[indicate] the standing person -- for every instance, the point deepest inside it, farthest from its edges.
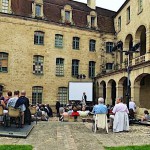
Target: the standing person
(120, 111)
(132, 105)
(57, 107)
(23, 100)
(84, 99)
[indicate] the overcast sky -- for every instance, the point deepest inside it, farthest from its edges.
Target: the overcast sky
(108, 4)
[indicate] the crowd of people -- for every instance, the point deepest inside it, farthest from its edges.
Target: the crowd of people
(119, 115)
(19, 101)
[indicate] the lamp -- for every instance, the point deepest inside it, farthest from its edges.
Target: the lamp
(134, 49)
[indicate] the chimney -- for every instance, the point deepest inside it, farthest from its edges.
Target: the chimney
(91, 4)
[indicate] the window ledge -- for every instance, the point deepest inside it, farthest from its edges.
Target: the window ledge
(39, 44)
(38, 74)
(58, 47)
(3, 71)
(76, 49)
(59, 75)
(92, 51)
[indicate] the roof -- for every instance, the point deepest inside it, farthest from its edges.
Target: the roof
(52, 12)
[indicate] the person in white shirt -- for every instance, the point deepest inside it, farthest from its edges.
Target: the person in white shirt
(132, 105)
(119, 107)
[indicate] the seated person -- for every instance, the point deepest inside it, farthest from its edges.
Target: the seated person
(146, 116)
(100, 108)
(61, 111)
(75, 114)
(84, 112)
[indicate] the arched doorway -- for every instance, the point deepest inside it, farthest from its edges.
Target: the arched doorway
(112, 85)
(141, 37)
(103, 89)
(129, 44)
(142, 92)
(123, 85)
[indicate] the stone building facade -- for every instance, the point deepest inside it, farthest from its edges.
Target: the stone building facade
(132, 26)
(44, 44)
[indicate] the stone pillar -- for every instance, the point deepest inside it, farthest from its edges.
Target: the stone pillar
(108, 95)
(135, 94)
(100, 91)
(119, 91)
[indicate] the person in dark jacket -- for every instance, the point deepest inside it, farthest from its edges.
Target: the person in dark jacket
(24, 100)
(57, 107)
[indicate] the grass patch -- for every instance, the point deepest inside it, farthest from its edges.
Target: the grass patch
(144, 147)
(16, 147)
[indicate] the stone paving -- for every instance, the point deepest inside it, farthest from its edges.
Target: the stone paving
(54, 135)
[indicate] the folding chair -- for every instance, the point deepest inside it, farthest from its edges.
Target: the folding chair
(100, 122)
(1, 112)
(14, 113)
(33, 112)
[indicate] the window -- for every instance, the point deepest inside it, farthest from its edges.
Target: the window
(38, 64)
(3, 62)
(92, 45)
(58, 41)
(76, 43)
(37, 93)
(93, 22)
(5, 6)
(140, 5)
(75, 67)
(109, 46)
(67, 16)
(1, 89)
(59, 66)
(128, 14)
(62, 95)
(119, 23)
(109, 66)
(39, 38)
(38, 10)
(91, 69)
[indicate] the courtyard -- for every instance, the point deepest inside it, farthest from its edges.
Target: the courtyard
(56, 135)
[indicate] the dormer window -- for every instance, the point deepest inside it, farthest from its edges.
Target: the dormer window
(38, 10)
(66, 15)
(92, 20)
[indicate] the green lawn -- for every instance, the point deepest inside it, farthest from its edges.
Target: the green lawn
(16, 147)
(144, 147)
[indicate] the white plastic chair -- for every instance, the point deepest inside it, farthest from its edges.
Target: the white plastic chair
(100, 122)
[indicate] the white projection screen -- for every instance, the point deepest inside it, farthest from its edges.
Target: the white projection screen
(76, 90)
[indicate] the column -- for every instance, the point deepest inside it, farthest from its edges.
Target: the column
(108, 95)
(148, 41)
(119, 91)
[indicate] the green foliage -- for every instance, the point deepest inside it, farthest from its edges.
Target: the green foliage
(144, 147)
(16, 147)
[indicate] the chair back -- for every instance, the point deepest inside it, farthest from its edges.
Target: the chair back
(32, 110)
(12, 112)
(101, 120)
(1, 110)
